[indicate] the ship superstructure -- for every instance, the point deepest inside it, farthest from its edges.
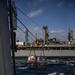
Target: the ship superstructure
(47, 41)
(52, 47)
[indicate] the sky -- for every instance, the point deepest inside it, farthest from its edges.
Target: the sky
(58, 15)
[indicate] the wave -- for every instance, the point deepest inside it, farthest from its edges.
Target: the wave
(22, 67)
(55, 73)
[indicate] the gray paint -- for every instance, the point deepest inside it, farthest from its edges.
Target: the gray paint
(5, 57)
(21, 53)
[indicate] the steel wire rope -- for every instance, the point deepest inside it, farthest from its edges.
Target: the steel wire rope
(26, 28)
(54, 35)
(58, 34)
(34, 53)
(42, 52)
(30, 37)
(34, 21)
(24, 32)
(29, 31)
(28, 17)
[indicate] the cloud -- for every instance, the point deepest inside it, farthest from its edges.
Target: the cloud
(35, 13)
(34, 30)
(20, 35)
(37, 30)
(61, 4)
(59, 34)
(56, 31)
(65, 4)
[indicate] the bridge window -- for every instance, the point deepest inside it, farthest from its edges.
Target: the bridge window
(54, 48)
(62, 48)
(51, 48)
(58, 48)
(73, 48)
(46, 48)
(67, 48)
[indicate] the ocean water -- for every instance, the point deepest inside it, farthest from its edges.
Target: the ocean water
(53, 68)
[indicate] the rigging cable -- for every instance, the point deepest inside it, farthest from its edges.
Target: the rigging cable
(20, 29)
(26, 28)
(27, 16)
(58, 34)
(34, 21)
(24, 32)
(54, 35)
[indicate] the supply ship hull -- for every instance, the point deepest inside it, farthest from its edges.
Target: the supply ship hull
(53, 51)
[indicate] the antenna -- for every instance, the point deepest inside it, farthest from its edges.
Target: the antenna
(46, 35)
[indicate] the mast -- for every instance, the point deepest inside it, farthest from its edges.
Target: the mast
(70, 35)
(46, 35)
(26, 38)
